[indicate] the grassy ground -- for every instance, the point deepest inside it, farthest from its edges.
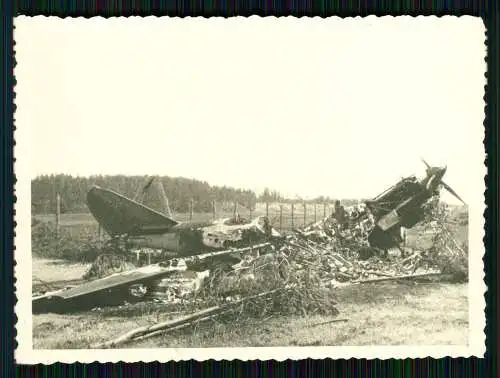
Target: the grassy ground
(377, 314)
(417, 238)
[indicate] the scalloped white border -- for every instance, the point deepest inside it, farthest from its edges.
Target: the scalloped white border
(25, 353)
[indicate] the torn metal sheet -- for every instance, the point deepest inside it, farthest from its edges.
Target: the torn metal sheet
(129, 286)
(143, 227)
(110, 290)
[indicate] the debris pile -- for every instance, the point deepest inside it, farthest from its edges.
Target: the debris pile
(299, 271)
(326, 255)
(295, 292)
(337, 266)
(178, 287)
(296, 276)
(353, 231)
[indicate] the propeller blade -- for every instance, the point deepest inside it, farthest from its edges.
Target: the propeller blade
(146, 187)
(449, 189)
(142, 190)
(426, 164)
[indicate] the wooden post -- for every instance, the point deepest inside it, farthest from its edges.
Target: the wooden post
(53, 190)
(305, 213)
(213, 210)
(58, 213)
(191, 206)
(315, 211)
(235, 211)
(250, 209)
(281, 217)
(267, 209)
(293, 205)
(324, 210)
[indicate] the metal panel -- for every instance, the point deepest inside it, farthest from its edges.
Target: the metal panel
(116, 280)
(389, 220)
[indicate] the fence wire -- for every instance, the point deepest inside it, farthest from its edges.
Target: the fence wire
(283, 217)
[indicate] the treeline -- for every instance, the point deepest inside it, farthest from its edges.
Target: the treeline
(179, 190)
(271, 196)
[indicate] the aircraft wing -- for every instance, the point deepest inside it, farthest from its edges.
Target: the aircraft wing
(119, 215)
(99, 292)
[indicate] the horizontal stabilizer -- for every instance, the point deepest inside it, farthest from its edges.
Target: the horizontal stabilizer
(120, 215)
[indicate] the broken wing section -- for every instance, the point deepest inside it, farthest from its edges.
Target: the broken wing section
(111, 290)
(120, 215)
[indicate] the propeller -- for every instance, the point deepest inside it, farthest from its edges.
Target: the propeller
(428, 167)
(426, 164)
(445, 185)
(449, 189)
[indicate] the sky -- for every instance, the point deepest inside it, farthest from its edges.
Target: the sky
(309, 107)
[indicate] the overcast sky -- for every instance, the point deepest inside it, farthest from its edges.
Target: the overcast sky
(309, 107)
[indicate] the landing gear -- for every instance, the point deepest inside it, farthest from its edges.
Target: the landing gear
(383, 240)
(386, 241)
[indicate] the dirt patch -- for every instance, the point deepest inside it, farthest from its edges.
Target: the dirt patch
(50, 270)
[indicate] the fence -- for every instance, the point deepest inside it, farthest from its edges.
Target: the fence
(282, 216)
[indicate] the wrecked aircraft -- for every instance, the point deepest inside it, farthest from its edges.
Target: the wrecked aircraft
(379, 224)
(402, 205)
(139, 227)
(143, 227)
(132, 285)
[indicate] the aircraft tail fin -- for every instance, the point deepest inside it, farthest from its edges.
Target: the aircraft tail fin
(120, 215)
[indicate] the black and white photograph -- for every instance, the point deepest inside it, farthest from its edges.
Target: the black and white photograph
(249, 188)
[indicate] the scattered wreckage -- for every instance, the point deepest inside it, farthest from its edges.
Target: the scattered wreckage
(144, 227)
(133, 285)
(348, 247)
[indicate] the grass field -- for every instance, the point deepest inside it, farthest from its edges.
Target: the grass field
(377, 314)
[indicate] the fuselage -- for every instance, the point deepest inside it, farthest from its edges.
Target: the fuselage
(429, 186)
(186, 239)
(407, 210)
